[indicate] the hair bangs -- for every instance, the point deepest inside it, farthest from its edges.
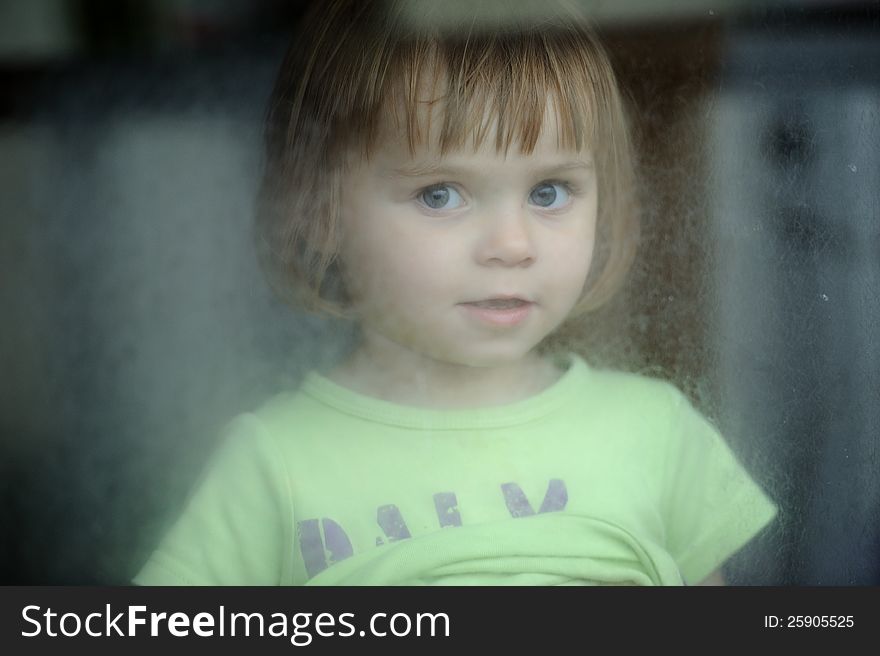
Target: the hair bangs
(454, 94)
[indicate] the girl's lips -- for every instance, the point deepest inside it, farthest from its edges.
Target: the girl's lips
(499, 316)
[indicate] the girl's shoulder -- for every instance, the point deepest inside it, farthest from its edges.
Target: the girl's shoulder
(293, 406)
(644, 409)
(631, 390)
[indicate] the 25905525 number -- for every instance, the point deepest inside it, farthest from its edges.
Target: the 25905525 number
(819, 621)
(808, 621)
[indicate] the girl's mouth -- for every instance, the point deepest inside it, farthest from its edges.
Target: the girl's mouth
(499, 311)
(500, 303)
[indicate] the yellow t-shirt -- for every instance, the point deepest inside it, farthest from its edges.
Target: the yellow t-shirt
(602, 478)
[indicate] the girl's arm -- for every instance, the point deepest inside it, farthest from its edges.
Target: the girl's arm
(715, 578)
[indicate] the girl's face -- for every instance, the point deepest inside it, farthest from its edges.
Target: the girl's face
(427, 238)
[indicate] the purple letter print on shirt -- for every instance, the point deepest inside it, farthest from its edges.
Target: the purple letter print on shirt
(392, 523)
(313, 547)
(555, 498)
(446, 506)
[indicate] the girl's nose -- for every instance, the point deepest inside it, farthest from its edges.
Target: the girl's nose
(506, 238)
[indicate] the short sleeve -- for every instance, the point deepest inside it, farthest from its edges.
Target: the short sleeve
(235, 523)
(712, 507)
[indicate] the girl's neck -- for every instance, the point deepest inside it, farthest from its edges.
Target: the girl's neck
(387, 372)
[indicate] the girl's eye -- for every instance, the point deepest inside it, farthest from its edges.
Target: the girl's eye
(546, 195)
(441, 197)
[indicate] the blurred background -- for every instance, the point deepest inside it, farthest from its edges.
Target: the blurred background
(135, 320)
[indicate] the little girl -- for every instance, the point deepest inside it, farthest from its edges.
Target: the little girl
(461, 191)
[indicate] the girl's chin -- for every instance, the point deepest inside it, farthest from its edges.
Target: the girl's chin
(497, 358)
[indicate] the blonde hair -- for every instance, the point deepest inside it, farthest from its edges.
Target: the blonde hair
(354, 62)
